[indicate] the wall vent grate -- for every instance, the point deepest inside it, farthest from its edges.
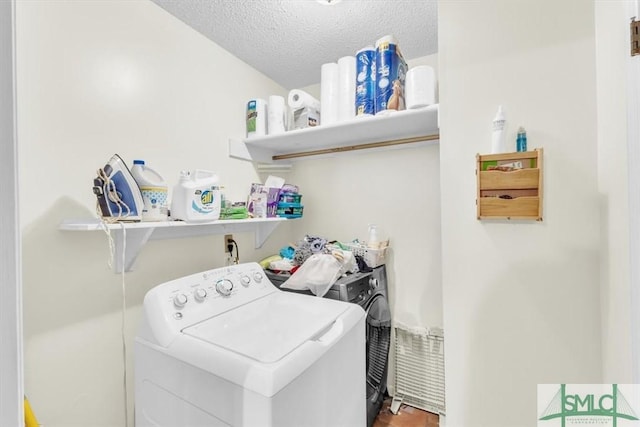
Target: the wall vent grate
(419, 369)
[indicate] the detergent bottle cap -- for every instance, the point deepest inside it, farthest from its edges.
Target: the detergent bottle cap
(138, 162)
(184, 175)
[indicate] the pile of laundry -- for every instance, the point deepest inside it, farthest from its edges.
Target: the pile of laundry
(316, 262)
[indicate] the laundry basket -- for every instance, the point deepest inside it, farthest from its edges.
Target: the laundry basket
(373, 257)
(419, 357)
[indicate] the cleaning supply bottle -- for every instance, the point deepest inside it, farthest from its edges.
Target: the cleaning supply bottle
(373, 240)
(196, 197)
(521, 140)
(498, 142)
(154, 191)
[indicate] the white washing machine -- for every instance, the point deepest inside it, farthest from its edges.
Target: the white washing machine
(227, 348)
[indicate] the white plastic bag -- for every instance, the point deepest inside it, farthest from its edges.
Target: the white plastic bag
(320, 271)
(317, 274)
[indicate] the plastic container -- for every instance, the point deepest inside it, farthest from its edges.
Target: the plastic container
(373, 240)
(289, 210)
(498, 142)
(154, 191)
(196, 197)
(521, 140)
(290, 198)
(256, 118)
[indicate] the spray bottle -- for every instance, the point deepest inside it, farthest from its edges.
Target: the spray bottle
(521, 140)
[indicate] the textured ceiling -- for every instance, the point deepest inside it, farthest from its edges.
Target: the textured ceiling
(288, 40)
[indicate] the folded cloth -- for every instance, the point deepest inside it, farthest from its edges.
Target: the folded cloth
(283, 264)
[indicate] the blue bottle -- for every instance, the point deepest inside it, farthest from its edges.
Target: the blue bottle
(521, 140)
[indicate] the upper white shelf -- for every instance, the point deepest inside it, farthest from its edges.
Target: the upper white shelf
(392, 129)
(137, 234)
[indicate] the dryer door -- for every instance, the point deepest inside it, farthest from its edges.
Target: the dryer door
(378, 341)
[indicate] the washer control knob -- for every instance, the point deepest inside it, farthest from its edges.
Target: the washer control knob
(200, 294)
(245, 280)
(224, 287)
(180, 300)
(373, 282)
(257, 276)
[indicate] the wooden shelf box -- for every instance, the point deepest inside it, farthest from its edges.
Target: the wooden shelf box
(515, 194)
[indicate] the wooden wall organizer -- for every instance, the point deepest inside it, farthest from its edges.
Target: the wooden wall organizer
(514, 194)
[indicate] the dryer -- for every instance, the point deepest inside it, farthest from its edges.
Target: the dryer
(226, 348)
(369, 291)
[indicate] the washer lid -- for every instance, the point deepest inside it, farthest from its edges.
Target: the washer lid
(269, 328)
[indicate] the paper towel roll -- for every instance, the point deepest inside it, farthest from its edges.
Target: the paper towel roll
(329, 93)
(346, 88)
(420, 87)
(300, 99)
(256, 118)
(276, 114)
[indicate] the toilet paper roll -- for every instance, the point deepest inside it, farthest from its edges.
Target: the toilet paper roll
(420, 87)
(300, 99)
(329, 93)
(256, 118)
(276, 115)
(365, 81)
(346, 88)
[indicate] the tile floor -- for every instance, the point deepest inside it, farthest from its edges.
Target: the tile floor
(407, 416)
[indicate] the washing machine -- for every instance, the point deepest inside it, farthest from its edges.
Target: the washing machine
(369, 291)
(227, 348)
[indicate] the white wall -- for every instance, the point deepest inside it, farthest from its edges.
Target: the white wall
(612, 51)
(398, 190)
(633, 149)
(11, 372)
(521, 299)
(97, 78)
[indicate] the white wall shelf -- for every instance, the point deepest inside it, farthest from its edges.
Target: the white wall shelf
(139, 233)
(382, 131)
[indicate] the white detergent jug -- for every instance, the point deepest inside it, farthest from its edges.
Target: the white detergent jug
(196, 197)
(154, 191)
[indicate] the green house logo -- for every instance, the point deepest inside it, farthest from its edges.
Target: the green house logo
(585, 404)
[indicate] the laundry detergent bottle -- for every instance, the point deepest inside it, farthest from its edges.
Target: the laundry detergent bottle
(154, 191)
(196, 197)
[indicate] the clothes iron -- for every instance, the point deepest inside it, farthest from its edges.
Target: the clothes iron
(119, 197)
